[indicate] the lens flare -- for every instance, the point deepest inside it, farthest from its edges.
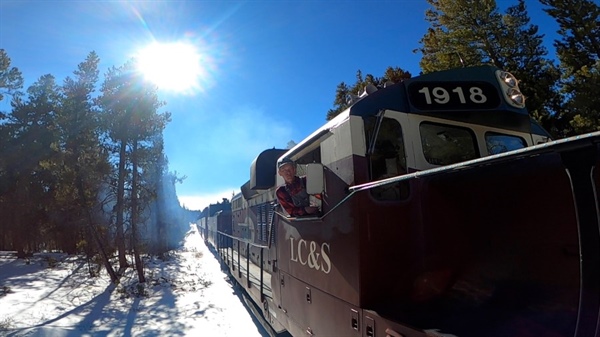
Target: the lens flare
(176, 66)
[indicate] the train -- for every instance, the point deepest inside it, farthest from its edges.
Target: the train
(444, 210)
(214, 219)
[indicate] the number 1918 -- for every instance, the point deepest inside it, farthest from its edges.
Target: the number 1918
(442, 96)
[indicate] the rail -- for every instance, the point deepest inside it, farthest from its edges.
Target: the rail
(556, 145)
(228, 258)
(243, 240)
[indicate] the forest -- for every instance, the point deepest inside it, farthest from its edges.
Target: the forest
(84, 171)
(82, 162)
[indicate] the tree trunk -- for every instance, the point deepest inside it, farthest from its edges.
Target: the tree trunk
(161, 231)
(120, 207)
(17, 222)
(135, 216)
(114, 278)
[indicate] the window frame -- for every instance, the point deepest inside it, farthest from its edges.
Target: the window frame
(470, 131)
(394, 192)
(496, 133)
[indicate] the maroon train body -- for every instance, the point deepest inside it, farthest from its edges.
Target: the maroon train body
(444, 211)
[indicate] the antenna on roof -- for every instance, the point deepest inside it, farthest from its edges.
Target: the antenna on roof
(461, 60)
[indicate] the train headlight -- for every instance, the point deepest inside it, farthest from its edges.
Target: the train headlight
(516, 97)
(508, 78)
(510, 86)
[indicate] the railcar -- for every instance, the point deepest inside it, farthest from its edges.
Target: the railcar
(444, 211)
(214, 219)
(201, 225)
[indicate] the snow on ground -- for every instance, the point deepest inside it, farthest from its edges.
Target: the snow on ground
(185, 295)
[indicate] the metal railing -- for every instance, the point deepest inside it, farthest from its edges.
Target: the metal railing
(230, 256)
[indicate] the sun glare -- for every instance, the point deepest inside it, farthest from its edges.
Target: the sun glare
(172, 66)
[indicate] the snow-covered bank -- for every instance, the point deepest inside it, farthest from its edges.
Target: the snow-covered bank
(186, 295)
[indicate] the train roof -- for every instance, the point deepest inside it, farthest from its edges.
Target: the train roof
(263, 169)
(397, 97)
(212, 209)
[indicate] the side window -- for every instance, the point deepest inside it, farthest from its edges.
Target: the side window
(312, 156)
(388, 158)
(447, 144)
(498, 143)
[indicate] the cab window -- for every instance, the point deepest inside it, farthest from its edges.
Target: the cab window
(387, 158)
(498, 143)
(447, 144)
(313, 155)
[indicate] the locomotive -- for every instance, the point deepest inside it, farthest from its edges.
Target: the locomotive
(445, 210)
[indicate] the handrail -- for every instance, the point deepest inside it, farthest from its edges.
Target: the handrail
(541, 148)
(261, 281)
(243, 240)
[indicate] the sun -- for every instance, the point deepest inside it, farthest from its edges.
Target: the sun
(175, 66)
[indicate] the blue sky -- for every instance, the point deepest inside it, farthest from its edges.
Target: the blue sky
(270, 68)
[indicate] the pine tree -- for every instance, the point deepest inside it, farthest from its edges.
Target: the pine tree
(131, 120)
(29, 128)
(115, 106)
(11, 79)
(579, 54)
(86, 167)
(146, 151)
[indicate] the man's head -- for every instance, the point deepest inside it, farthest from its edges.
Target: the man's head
(287, 169)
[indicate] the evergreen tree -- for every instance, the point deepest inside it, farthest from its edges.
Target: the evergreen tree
(474, 32)
(579, 54)
(130, 105)
(146, 152)
(85, 164)
(340, 102)
(11, 79)
(116, 108)
(26, 195)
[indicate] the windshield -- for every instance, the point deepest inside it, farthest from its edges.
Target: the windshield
(498, 143)
(446, 144)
